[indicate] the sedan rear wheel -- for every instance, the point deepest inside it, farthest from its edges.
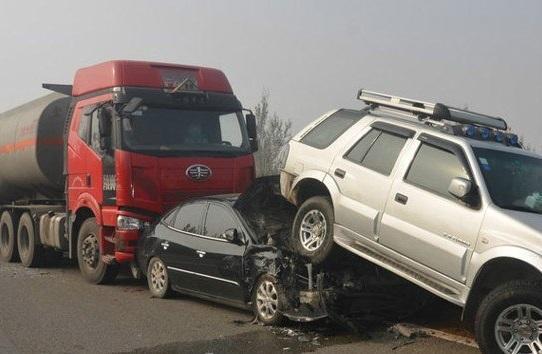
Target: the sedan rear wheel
(157, 279)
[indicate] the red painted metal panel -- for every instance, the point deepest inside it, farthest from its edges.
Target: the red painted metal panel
(119, 73)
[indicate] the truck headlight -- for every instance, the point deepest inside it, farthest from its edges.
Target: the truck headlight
(128, 223)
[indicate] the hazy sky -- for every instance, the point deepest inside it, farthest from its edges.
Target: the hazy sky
(313, 56)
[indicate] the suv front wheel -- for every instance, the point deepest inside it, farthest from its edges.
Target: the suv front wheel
(312, 233)
(509, 320)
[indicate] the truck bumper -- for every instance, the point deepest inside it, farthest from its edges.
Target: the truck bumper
(124, 257)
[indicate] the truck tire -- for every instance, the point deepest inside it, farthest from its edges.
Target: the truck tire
(28, 244)
(268, 301)
(499, 323)
(89, 258)
(312, 232)
(158, 279)
(8, 239)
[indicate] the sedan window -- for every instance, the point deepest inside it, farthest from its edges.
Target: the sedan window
(188, 218)
(218, 220)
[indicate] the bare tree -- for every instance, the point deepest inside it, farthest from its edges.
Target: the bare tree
(273, 134)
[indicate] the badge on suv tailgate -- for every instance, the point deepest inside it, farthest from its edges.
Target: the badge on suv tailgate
(198, 172)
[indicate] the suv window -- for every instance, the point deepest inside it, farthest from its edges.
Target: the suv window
(331, 128)
(189, 218)
(434, 168)
(377, 150)
(217, 221)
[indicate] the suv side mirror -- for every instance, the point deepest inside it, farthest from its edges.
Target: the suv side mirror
(232, 235)
(252, 132)
(460, 187)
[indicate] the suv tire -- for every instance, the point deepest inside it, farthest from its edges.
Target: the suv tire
(312, 232)
(501, 306)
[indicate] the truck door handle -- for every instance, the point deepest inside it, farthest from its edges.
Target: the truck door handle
(401, 198)
(340, 173)
(88, 180)
(201, 254)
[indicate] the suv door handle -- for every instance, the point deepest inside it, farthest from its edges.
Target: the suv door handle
(340, 173)
(201, 254)
(401, 198)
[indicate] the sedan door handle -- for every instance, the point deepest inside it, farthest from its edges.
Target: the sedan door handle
(201, 254)
(165, 245)
(401, 198)
(340, 173)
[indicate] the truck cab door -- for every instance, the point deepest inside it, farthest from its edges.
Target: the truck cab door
(423, 221)
(363, 172)
(85, 156)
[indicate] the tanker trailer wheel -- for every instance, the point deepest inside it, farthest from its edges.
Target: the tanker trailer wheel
(30, 249)
(93, 269)
(8, 238)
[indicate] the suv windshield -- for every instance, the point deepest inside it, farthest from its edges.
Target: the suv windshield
(168, 131)
(513, 180)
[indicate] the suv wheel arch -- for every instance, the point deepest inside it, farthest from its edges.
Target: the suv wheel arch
(493, 274)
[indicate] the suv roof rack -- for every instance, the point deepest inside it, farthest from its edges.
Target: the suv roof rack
(433, 111)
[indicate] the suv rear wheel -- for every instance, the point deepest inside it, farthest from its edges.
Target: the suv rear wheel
(312, 233)
(509, 320)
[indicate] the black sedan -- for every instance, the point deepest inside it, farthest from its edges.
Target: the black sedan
(225, 249)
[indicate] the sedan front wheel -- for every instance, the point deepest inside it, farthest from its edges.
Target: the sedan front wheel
(268, 301)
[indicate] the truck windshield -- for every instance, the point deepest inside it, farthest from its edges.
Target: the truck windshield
(513, 180)
(165, 131)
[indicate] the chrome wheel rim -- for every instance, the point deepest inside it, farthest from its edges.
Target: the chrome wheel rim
(518, 329)
(158, 276)
(90, 251)
(267, 300)
(313, 230)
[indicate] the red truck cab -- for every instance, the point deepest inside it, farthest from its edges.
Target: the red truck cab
(141, 138)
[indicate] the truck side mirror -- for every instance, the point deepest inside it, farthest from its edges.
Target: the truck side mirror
(460, 188)
(104, 128)
(252, 132)
(104, 122)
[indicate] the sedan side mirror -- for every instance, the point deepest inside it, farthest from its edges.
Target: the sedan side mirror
(232, 235)
(460, 187)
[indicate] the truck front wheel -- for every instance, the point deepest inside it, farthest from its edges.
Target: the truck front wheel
(509, 320)
(93, 269)
(312, 233)
(8, 238)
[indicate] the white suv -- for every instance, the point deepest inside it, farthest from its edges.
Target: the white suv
(443, 197)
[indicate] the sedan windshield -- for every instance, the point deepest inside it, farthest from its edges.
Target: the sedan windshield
(166, 131)
(513, 180)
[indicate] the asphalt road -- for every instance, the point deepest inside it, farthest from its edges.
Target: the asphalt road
(52, 310)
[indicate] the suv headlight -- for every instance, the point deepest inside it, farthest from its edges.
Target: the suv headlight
(128, 223)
